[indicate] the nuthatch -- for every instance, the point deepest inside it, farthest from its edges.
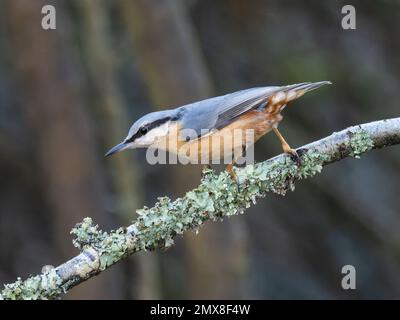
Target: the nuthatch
(258, 109)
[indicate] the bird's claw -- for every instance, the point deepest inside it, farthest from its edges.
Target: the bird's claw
(294, 155)
(233, 175)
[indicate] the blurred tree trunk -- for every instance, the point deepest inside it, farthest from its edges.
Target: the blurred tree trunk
(101, 60)
(175, 73)
(49, 85)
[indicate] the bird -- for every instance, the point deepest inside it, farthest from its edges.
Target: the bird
(196, 126)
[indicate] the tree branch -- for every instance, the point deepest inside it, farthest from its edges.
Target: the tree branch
(215, 198)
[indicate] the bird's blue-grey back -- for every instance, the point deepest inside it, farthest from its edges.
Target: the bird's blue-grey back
(218, 112)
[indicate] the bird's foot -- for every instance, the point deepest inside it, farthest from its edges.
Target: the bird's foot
(232, 173)
(293, 155)
(296, 155)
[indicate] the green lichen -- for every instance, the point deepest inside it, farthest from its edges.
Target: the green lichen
(44, 286)
(109, 246)
(218, 197)
(278, 176)
(359, 143)
(213, 199)
(87, 234)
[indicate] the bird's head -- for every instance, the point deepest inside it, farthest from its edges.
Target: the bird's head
(146, 131)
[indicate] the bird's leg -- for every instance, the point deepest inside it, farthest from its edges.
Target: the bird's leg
(285, 146)
(229, 168)
(236, 157)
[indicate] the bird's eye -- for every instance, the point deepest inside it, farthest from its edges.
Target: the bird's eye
(143, 130)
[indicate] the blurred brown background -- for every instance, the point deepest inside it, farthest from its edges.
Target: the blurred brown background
(68, 95)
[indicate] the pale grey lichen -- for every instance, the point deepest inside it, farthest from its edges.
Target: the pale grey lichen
(359, 143)
(110, 247)
(47, 285)
(87, 234)
(218, 196)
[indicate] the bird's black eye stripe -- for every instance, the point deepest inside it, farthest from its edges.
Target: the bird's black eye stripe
(147, 127)
(143, 130)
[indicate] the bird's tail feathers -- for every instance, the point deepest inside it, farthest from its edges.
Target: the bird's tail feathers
(305, 86)
(286, 94)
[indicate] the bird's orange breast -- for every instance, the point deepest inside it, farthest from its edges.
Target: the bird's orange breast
(228, 142)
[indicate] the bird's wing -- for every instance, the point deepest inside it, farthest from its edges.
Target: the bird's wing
(239, 103)
(216, 113)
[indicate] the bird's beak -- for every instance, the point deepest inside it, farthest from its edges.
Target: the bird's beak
(117, 148)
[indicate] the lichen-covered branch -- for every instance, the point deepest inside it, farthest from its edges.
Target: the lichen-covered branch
(215, 198)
